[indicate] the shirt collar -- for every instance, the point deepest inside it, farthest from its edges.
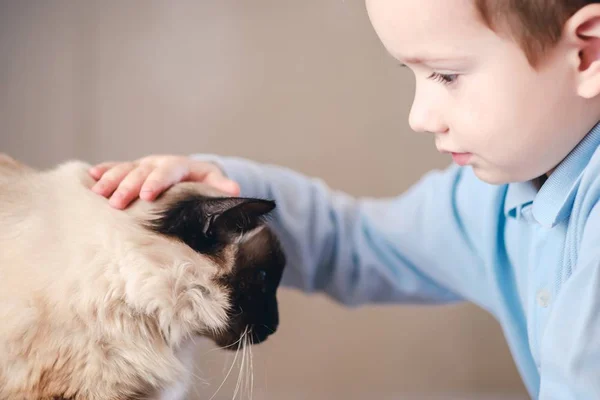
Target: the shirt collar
(518, 195)
(553, 202)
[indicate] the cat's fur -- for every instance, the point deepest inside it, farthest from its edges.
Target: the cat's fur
(99, 303)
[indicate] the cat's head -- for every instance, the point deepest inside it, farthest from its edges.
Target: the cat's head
(232, 232)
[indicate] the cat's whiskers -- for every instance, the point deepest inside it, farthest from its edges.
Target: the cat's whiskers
(243, 363)
(269, 328)
(249, 366)
(237, 351)
(251, 370)
(225, 347)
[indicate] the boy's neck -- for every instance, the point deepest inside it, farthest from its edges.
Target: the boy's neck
(540, 180)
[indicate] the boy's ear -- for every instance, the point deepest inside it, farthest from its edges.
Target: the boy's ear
(582, 31)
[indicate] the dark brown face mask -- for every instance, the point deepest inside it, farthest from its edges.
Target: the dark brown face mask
(211, 226)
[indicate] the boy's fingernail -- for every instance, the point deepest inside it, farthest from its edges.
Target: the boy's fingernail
(146, 192)
(115, 204)
(231, 187)
(94, 172)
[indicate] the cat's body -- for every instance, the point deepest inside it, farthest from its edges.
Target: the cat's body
(99, 303)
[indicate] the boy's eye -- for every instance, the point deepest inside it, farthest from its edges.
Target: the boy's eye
(446, 79)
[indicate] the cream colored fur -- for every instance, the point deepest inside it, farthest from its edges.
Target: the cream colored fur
(92, 305)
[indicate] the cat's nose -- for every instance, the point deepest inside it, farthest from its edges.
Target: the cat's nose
(261, 332)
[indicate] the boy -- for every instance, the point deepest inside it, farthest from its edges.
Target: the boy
(511, 89)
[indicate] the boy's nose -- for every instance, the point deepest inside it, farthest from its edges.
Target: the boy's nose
(424, 117)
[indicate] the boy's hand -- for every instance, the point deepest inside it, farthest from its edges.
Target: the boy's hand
(122, 182)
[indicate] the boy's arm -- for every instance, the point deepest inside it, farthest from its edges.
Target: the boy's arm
(413, 248)
(570, 352)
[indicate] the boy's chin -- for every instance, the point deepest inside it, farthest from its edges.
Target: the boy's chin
(493, 176)
(499, 177)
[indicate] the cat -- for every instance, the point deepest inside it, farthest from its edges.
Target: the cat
(102, 304)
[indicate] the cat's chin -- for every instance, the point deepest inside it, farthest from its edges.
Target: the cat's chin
(233, 340)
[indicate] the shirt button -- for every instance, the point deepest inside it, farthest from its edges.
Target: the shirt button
(543, 298)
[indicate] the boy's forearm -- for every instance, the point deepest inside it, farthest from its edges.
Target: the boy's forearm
(338, 244)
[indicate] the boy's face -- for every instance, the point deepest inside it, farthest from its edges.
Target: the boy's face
(477, 93)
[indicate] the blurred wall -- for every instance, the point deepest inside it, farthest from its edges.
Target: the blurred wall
(301, 84)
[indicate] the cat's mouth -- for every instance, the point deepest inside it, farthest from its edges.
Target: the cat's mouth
(250, 325)
(234, 339)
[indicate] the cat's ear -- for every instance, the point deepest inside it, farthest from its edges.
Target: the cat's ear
(225, 217)
(206, 223)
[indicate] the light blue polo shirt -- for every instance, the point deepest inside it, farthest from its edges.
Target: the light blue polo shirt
(531, 258)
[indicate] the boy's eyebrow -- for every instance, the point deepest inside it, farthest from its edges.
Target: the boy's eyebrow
(412, 60)
(424, 60)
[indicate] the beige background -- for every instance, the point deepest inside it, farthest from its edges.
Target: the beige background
(304, 84)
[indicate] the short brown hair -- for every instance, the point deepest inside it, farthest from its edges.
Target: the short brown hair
(536, 25)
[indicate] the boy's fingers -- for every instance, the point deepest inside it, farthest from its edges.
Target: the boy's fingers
(130, 187)
(160, 179)
(168, 174)
(199, 171)
(220, 182)
(98, 170)
(111, 179)
(212, 175)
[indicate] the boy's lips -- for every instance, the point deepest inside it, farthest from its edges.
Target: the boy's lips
(460, 158)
